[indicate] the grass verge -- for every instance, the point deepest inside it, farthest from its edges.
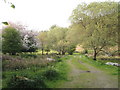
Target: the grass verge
(113, 70)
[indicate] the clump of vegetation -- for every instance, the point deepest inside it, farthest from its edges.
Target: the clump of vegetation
(6, 57)
(57, 58)
(51, 74)
(85, 52)
(24, 63)
(71, 49)
(24, 82)
(11, 41)
(26, 55)
(13, 65)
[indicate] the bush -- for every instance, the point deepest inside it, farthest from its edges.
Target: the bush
(57, 57)
(24, 82)
(85, 52)
(71, 49)
(51, 74)
(31, 49)
(11, 42)
(28, 55)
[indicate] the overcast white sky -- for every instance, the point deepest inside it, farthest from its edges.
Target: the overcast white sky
(40, 14)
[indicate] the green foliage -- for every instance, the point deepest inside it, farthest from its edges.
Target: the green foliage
(85, 52)
(12, 5)
(51, 74)
(42, 37)
(47, 49)
(57, 39)
(23, 82)
(62, 69)
(5, 23)
(53, 26)
(37, 71)
(26, 55)
(95, 25)
(71, 49)
(100, 65)
(11, 41)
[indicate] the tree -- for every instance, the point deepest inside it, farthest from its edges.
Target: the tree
(29, 42)
(11, 41)
(42, 37)
(57, 39)
(97, 25)
(62, 46)
(28, 37)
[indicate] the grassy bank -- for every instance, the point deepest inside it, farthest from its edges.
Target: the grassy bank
(100, 64)
(49, 74)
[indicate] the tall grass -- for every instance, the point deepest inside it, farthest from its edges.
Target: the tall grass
(23, 63)
(34, 69)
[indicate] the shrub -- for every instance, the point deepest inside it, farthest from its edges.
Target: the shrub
(57, 58)
(3, 75)
(24, 82)
(11, 42)
(71, 49)
(85, 52)
(51, 74)
(28, 55)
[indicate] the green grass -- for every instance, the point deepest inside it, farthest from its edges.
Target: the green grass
(40, 52)
(75, 61)
(63, 69)
(31, 73)
(104, 61)
(113, 70)
(60, 66)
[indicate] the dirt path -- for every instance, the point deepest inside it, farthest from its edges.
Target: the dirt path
(91, 78)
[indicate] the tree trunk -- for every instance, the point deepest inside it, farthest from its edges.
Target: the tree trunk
(42, 51)
(119, 47)
(63, 52)
(118, 38)
(13, 53)
(95, 55)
